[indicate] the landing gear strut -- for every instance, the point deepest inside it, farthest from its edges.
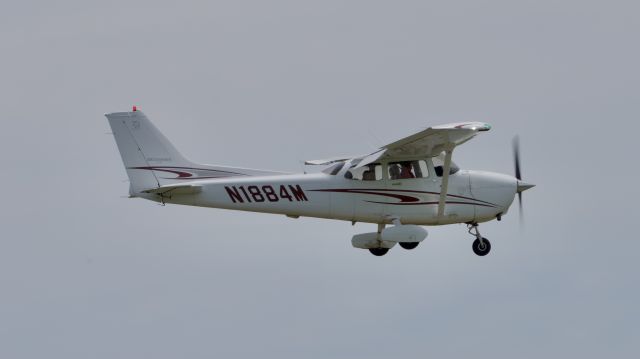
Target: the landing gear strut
(380, 251)
(481, 246)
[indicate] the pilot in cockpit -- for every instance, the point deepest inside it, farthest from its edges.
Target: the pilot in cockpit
(369, 174)
(407, 170)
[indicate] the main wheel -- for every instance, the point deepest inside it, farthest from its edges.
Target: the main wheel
(409, 245)
(378, 251)
(481, 249)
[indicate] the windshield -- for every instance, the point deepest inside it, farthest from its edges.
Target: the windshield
(438, 166)
(370, 172)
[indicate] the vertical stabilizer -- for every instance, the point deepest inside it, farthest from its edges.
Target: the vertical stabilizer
(151, 160)
(143, 148)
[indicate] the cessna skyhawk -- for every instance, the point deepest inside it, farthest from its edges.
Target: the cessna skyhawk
(404, 185)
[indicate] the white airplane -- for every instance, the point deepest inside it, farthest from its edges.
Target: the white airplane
(406, 184)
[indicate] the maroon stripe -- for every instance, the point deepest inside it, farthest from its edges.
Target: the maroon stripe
(402, 198)
(181, 174)
(170, 168)
(432, 203)
(424, 192)
(195, 178)
(184, 174)
(369, 191)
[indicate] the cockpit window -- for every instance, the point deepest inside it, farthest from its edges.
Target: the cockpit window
(333, 170)
(408, 169)
(370, 172)
(438, 166)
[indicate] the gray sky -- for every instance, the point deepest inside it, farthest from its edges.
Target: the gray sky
(85, 273)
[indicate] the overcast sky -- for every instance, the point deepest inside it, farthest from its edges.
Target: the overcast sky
(86, 273)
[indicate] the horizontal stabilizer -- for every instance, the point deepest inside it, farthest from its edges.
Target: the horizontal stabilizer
(175, 189)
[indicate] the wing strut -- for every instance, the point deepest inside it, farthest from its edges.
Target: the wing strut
(445, 183)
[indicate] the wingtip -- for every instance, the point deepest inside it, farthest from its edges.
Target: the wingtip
(474, 126)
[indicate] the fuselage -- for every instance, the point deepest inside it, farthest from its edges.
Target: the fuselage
(472, 196)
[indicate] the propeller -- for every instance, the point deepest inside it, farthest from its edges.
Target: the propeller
(522, 186)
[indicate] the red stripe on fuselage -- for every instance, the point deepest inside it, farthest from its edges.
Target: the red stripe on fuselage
(408, 199)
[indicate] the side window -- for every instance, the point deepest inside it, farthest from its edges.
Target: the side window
(371, 172)
(408, 169)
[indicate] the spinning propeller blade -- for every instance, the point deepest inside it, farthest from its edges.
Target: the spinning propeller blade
(516, 156)
(516, 162)
(522, 186)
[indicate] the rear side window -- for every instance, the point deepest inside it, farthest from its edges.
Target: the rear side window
(371, 172)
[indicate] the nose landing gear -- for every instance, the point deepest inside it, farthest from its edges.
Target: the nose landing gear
(481, 246)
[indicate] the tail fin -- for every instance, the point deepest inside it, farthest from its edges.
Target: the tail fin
(151, 160)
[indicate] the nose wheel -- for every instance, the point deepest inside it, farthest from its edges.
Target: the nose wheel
(481, 246)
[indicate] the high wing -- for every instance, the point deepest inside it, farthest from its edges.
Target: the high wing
(435, 140)
(428, 143)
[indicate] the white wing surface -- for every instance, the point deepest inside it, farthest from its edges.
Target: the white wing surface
(435, 140)
(427, 143)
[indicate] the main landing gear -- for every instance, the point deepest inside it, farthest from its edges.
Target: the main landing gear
(382, 251)
(481, 246)
(378, 251)
(409, 245)
(394, 235)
